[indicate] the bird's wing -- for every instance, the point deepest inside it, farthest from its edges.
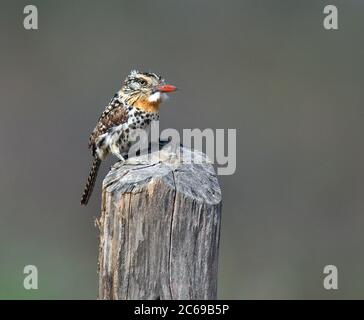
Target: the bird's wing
(113, 104)
(115, 114)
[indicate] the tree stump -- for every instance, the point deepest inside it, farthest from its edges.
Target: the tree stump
(159, 227)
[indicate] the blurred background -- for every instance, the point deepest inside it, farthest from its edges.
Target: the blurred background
(293, 90)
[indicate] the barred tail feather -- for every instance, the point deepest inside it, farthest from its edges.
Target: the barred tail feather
(90, 181)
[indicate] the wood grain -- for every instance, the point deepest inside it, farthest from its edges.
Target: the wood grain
(159, 227)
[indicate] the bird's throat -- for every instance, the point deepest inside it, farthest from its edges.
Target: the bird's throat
(146, 105)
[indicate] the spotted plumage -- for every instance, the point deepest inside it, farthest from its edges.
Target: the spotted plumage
(133, 107)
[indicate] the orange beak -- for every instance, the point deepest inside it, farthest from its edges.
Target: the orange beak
(166, 88)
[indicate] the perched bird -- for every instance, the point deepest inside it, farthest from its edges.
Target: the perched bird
(134, 106)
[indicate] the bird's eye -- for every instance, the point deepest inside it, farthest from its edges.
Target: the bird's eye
(142, 82)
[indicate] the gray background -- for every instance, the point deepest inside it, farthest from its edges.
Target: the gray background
(293, 91)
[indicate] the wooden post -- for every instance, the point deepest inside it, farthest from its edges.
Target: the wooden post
(159, 228)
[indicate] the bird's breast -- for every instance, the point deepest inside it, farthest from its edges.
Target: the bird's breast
(124, 136)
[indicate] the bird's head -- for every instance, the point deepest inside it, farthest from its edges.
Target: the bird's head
(145, 90)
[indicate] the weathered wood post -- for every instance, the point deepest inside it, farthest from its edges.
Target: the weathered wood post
(159, 228)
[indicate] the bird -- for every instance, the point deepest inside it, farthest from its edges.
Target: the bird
(134, 106)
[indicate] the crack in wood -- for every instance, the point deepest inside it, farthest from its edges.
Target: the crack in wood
(171, 235)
